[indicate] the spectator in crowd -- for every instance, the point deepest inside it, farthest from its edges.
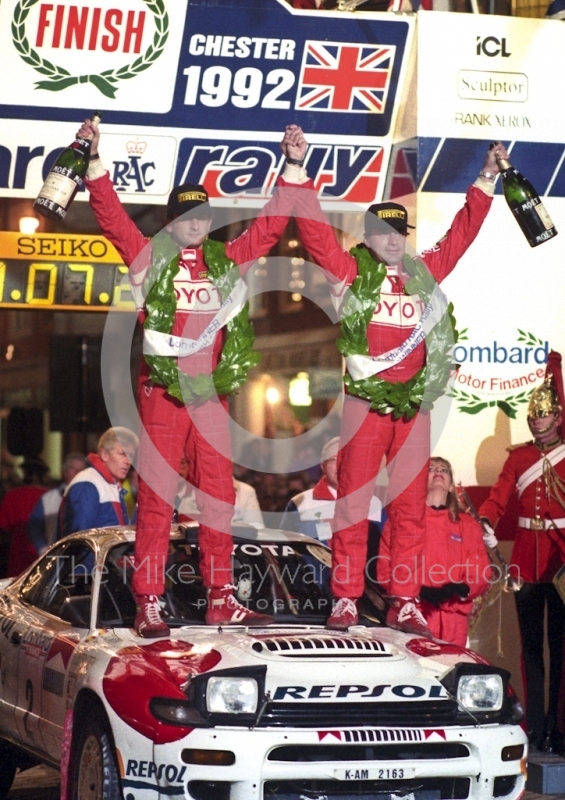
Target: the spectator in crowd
(42, 524)
(246, 510)
(15, 510)
(95, 496)
(455, 565)
(312, 511)
(537, 470)
(386, 369)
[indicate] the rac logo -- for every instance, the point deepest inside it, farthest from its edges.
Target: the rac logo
(491, 46)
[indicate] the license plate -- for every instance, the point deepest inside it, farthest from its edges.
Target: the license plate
(374, 773)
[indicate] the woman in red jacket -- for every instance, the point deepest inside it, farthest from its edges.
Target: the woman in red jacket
(455, 565)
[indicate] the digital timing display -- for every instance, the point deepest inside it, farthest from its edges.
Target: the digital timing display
(62, 272)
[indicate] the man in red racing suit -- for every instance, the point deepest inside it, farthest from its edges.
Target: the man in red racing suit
(367, 435)
(170, 428)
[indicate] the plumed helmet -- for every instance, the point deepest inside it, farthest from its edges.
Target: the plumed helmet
(548, 398)
(544, 400)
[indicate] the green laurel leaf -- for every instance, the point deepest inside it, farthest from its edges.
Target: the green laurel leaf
(237, 356)
(402, 399)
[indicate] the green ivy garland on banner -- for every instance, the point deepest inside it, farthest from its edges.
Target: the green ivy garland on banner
(237, 356)
(399, 399)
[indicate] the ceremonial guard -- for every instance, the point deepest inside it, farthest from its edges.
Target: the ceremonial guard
(536, 470)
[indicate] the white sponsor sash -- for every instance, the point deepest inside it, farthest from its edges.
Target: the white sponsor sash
(156, 343)
(536, 470)
(360, 367)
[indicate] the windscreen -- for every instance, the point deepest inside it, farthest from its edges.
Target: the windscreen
(288, 580)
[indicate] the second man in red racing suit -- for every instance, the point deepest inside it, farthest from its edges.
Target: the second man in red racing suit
(367, 435)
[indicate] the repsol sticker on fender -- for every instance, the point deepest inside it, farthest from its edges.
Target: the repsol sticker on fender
(166, 779)
(384, 691)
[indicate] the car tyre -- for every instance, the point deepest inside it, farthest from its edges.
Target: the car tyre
(95, 771)
(8, 768)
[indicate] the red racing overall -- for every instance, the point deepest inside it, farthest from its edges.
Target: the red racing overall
(367, 435)
(169, 427)
(454, 552)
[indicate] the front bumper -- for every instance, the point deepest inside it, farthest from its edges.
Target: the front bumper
(421, 763)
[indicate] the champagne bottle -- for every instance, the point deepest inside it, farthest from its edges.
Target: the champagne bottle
(65, 178)
(526, 205)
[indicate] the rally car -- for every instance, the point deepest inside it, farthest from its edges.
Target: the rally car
(291, 711)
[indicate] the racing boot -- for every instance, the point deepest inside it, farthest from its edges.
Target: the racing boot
(148, 622)
(344, 614)
(225, 609)
(405, 614)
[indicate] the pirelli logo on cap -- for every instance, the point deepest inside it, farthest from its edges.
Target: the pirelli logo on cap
(185, 197)
(391, 213)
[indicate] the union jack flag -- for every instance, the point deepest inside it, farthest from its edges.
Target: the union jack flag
(345, 77)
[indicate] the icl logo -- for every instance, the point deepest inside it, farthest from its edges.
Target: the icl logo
(491, 46)
(133, 171)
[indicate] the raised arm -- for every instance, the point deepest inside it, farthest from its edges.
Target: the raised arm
(442, 258)
(269, 225)
(108, 210)
(315, 231)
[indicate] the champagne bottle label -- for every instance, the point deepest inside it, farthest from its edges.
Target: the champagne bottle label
(544, 216)
(58, 188)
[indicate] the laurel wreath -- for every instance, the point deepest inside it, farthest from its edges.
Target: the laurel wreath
(237, 356)
(402, 399)
(473, 404)
(61, 78)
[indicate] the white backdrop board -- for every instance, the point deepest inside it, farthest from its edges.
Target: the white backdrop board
(483, 78)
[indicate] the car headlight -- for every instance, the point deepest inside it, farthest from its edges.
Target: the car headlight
(480, 692)
(232, 695)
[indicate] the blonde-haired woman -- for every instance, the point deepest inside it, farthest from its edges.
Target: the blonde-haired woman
(455, 567)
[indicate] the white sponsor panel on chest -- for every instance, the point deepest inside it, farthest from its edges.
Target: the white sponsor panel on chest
(398, 310)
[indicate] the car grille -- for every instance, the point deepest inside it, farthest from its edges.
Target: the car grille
(432, 713)
(312, 647)
(346, 752)
(423, 789)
